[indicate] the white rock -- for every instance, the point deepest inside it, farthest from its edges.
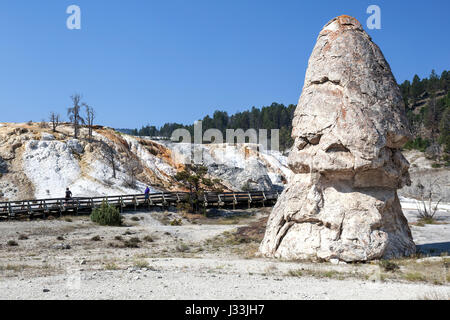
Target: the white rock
(47, 136)
(349, 126)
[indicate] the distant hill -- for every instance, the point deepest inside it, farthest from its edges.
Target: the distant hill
(428, 110)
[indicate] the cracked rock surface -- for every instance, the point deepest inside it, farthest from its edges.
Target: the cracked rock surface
(349, 126)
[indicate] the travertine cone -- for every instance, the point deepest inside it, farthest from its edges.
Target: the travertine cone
(348, 127)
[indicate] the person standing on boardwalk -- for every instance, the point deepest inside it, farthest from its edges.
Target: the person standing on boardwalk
(147, 194)
(68, 195)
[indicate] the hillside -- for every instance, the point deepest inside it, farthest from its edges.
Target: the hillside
(38, 163)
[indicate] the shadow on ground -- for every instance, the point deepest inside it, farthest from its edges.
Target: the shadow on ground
(434, 249)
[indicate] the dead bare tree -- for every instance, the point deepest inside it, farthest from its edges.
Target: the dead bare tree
(110, 156)
(429, 196)
(90, 116)
(54, 120)
(74, 114)
(132, 169)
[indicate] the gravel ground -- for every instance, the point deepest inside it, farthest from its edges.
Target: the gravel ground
(190, 279)
(205, 269)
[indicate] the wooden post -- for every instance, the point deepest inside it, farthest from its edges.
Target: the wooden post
(77, 206)
(205, 200)
(59, 204)
(9, 210)
(164, 200)
(264, 198)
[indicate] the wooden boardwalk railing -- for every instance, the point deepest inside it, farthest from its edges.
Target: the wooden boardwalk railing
(61, 206)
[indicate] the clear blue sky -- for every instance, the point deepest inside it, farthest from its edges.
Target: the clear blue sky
(148, 61)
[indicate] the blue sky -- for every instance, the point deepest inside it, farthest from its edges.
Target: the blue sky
(145, 61)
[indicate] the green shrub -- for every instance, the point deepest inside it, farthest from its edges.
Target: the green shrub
(106, 215)
(176, 222)
(418, 144)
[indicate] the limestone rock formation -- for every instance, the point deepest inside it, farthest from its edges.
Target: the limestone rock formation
(349, 127)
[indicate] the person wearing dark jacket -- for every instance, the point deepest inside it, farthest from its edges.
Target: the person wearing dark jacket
(68, 194)
(147, 194)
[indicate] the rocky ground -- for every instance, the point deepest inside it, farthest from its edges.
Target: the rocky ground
(203, 258)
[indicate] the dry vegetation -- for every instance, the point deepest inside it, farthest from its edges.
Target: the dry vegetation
(37, 248)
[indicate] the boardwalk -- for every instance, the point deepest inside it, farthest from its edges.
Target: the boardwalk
(81, 205)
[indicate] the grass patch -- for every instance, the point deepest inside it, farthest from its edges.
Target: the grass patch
(330, 274)
(14, 267)
(141, 264)
(434, 271)
(295, 273)
(417, 268)
(389, 266)
(428, 220)
(415, 277)
(111, 266)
